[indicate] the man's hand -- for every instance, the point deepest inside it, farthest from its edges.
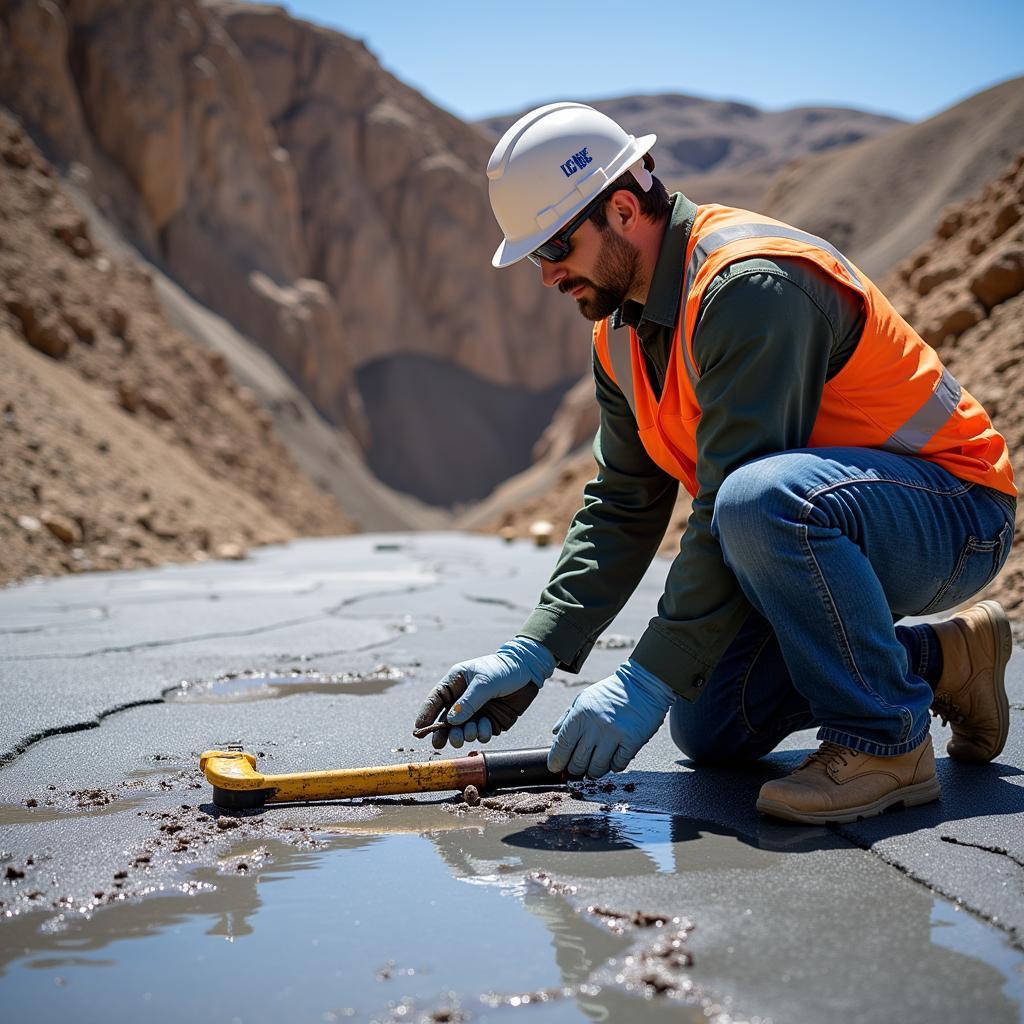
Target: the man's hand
(484, 697)
(607, 724)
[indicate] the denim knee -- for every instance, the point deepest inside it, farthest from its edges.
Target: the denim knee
(742, 520)
(696, 738)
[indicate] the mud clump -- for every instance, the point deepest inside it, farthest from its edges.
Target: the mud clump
(471, 796)
(524, 802)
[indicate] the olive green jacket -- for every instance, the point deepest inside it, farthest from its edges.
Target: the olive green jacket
(769, 333)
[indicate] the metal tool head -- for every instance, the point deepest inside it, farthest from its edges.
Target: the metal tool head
(237, 785)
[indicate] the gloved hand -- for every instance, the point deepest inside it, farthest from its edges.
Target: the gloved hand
(484, 697)
(604, 728)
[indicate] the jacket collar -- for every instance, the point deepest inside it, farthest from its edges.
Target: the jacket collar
(662, 306)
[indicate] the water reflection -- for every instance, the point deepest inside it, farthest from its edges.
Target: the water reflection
(441, 898)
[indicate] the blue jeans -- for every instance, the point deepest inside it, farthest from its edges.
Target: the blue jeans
(831, 546)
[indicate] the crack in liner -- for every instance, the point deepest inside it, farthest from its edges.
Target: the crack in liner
(503, 602)
(331, 613)
(175, 641)
(59, 730)
(1012, 934)
(15, 752)
(104, 616)
(358, 598)
(1001, 850)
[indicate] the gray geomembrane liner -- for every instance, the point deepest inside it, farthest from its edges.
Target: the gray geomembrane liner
(657, 894)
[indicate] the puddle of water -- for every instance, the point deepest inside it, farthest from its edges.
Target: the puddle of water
(376, 927)
(961, 932)
(19, 814)
(263, 686)
(406, 914)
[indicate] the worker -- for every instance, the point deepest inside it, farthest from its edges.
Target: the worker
(841, 478)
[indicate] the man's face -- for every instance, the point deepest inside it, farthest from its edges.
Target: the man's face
(598, 273)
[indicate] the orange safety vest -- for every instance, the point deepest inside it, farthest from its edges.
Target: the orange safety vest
(893, 393)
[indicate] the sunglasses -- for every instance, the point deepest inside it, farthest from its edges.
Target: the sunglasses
(557, 248)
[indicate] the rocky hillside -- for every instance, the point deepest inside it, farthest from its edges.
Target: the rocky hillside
(122, 442)
(330, 213)
(963, 291)
(879, 200)
(719, 151)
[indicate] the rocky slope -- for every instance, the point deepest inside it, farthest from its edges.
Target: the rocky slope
(963, 291)
(122, 442)
(717, 151)
(326, 210)
(878, 200)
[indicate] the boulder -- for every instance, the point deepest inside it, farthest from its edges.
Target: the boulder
(64, 528)
(999, 278)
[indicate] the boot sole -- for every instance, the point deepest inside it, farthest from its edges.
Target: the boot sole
(909, 796)
(1004, 648)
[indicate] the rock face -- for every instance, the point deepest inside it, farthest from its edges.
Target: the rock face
(122, 443)
(395, 212)
(880, 199)
(293, 186)
(153, 105)
(397, 224)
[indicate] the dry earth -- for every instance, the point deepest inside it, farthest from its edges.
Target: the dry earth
(963, 290)
(878, 200)
(331, 213)
(122, 442)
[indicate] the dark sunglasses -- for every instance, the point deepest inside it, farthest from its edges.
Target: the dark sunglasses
(557, 248)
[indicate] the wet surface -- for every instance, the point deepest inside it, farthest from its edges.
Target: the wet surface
(652, 894)
(263, 686)
(382, 921)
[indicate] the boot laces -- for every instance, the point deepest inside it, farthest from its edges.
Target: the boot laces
(831, 755)
(948, 710)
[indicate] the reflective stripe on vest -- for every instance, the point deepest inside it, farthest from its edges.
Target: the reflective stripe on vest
(733, 233)
(622, 363)
(908, 439)
(921, 427)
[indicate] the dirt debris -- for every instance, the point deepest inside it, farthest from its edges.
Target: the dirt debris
(546, 882)
(618, 920)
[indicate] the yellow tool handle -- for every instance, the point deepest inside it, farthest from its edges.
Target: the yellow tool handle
(234, 777)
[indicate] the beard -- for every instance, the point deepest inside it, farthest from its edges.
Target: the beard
(615, 272)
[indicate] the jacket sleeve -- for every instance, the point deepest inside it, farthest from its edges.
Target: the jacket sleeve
(762, 346)
(626, 511)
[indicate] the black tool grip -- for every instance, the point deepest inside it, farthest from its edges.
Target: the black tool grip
(510, 769)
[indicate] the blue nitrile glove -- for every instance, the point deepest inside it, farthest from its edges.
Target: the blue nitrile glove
(604, 728)
(484, 697)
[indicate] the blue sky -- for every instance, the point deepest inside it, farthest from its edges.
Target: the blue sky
(904, 57)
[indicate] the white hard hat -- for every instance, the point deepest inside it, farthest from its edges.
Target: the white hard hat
(549, 165)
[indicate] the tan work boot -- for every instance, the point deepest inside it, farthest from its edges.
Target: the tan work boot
(971, 694)
(836, 785)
